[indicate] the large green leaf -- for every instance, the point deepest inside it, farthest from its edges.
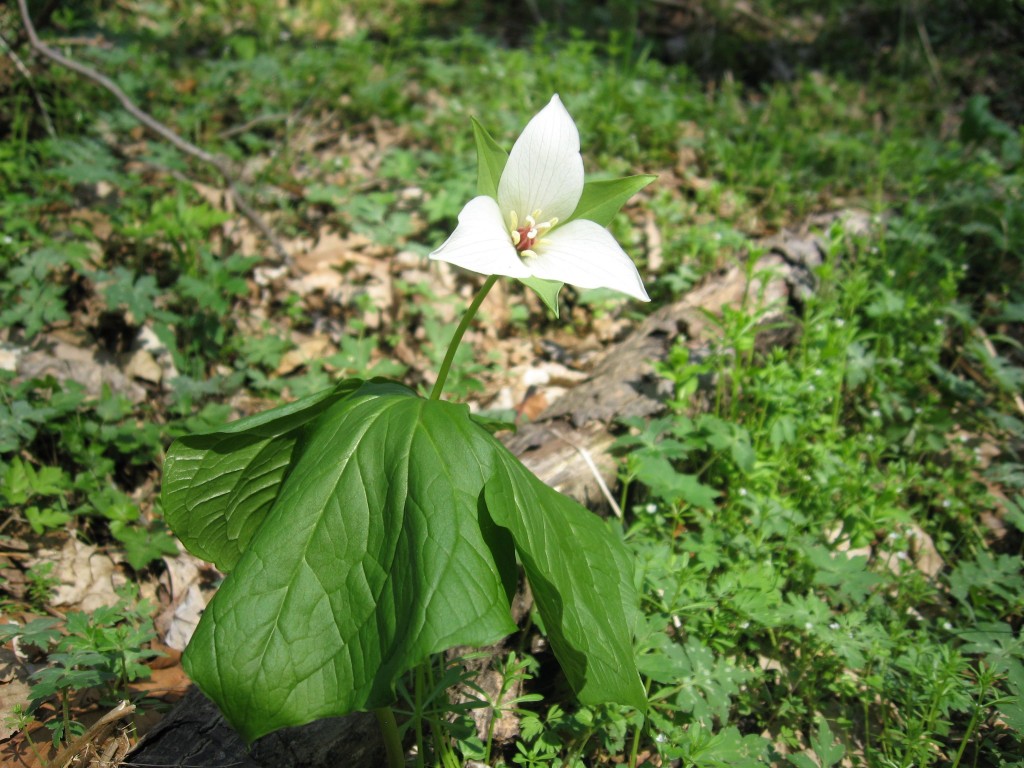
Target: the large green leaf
(374, 556)
(601, 200)
(219, 486)
(390, 535)
(581, 578)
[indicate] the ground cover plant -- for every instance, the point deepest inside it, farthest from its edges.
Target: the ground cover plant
(826, 520)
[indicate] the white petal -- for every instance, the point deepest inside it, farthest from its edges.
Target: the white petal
(544, 170)
(482, 243)
(586, 255)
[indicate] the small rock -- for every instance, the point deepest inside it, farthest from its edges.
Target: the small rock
(536, 376)
(142, 365)
(147, 340)
(9, 355)
(306, 350)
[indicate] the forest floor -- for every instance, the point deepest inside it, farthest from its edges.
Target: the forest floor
(827, 514)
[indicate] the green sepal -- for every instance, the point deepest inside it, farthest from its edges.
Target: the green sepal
(601, 200)
(490, 160)
(547, 290)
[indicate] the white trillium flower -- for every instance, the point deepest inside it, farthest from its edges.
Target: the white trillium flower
(519, 234)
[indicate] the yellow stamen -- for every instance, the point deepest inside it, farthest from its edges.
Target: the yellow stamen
(524, 237)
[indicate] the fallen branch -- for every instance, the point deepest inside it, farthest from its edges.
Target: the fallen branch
(259, 120)
(155, 126)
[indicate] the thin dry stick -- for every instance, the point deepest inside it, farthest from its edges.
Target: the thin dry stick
(236, 130)
(585, 454)
(155, 126)
(926, 45)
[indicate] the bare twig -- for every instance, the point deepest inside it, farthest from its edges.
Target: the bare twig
(926, 46)
(23, 71)
(88, 41)
(534, 11)
(155, 126)
(275, 117)
(589, 461)
(43, 15)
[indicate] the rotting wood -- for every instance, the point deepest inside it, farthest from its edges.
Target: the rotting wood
(623, 384)
(195, 735)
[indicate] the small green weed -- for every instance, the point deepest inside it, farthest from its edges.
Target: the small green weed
(102, 650)
(94, 445)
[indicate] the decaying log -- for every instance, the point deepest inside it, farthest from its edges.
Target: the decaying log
(195, 735)
(567, 447)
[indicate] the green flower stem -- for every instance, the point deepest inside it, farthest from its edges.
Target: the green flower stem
(392, 741)
(453, 346)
